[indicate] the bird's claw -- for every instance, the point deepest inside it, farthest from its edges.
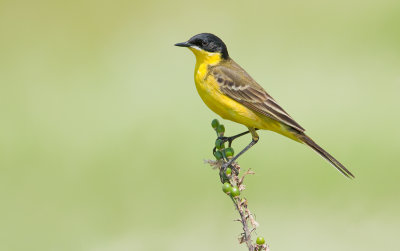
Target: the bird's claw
(229, 164)
(226, 139)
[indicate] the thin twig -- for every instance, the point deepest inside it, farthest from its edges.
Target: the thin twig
(246, 236)
(241, 205)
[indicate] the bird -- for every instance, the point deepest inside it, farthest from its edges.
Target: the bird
(228, 90)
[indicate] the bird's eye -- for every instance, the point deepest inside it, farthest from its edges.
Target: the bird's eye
(204, 43)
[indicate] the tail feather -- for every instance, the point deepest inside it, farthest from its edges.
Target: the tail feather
(308, 141)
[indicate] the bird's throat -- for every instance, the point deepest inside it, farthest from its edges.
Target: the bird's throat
(204, 59)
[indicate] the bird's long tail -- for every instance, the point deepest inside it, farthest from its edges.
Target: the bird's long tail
(308, 141)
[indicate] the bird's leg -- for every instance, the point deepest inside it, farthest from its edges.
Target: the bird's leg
(232, 138)
(252, 143)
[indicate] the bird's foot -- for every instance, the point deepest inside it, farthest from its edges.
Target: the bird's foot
(224, 140)
(224, 176)
(227, 139)
(229, 164)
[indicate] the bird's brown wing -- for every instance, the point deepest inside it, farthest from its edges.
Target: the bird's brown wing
(238, 85)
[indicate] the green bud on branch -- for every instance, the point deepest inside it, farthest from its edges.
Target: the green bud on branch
(226, 187)
(229, 152)
(215, 124)
(218, 155)
(221, 130)
(235, 191)
(219, 144)
(260, 240)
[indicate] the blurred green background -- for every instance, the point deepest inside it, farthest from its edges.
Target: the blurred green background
(103, 136)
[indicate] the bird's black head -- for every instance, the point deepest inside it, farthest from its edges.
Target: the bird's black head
(208, 42)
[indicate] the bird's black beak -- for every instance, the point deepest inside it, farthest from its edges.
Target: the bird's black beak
(184, 44)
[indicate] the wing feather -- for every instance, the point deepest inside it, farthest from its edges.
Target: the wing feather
(238, 85)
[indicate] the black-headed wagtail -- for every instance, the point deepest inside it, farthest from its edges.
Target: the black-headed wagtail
(228, 90)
